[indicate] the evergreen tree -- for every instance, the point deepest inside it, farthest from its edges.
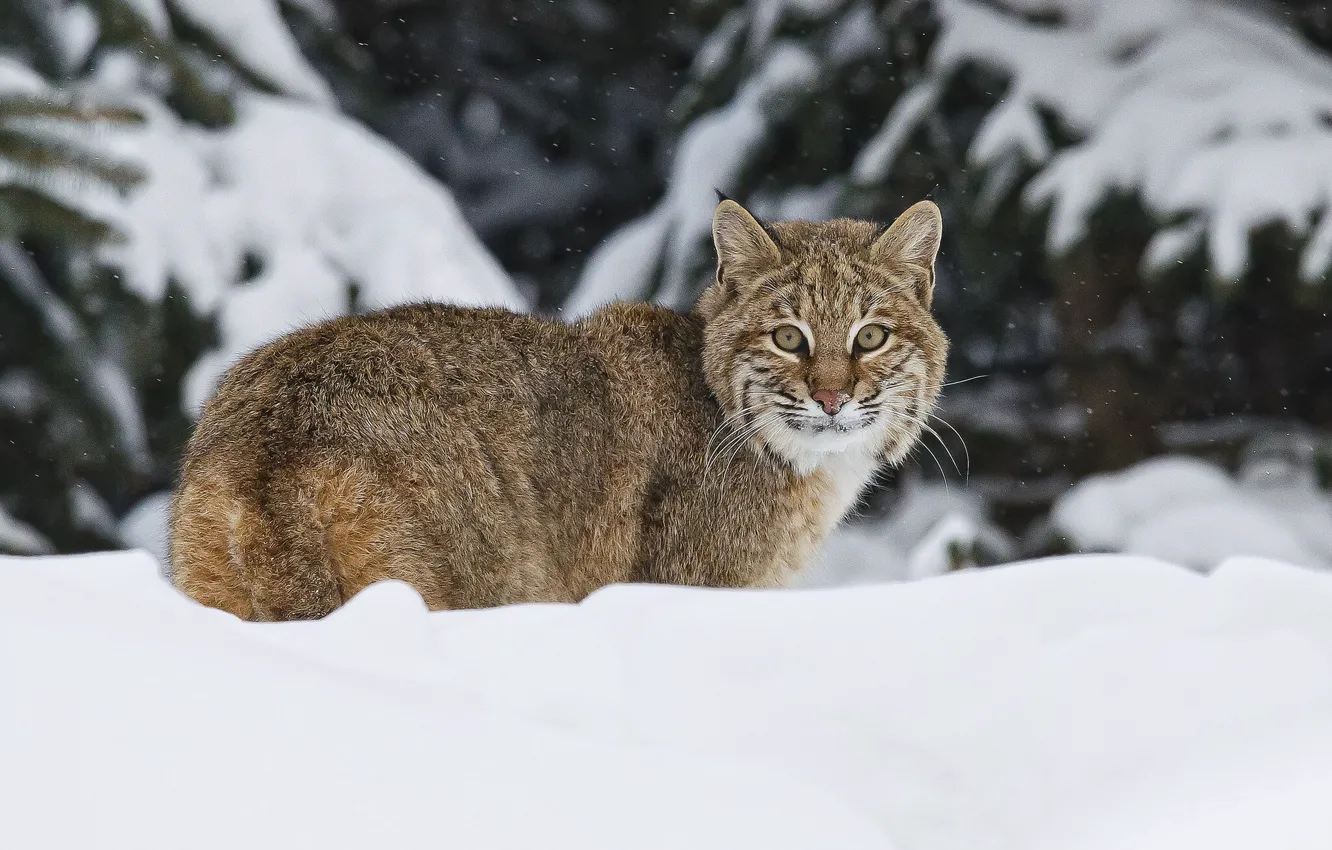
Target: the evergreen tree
(176, 187)
(77, 447)
(1094, 316)
(546, 119)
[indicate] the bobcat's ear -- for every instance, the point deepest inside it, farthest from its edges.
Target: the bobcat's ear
(913, 240)
(743, 246)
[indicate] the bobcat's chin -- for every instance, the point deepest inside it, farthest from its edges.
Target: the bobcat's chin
(808, 442)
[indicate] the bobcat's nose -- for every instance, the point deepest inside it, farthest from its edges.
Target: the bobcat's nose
(832, 400)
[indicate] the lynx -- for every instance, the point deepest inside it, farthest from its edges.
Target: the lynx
(487, 458)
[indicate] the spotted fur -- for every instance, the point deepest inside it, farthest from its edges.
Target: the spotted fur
(488, 458)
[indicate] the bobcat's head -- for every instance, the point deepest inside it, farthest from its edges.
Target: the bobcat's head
(819, 337)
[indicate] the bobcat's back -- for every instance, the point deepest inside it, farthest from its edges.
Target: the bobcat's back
(481, 456)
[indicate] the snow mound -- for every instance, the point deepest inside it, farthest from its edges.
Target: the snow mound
(932, 530)
(1190, 512)
(1083, 703)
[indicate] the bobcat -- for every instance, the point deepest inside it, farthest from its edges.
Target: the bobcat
(486, 458)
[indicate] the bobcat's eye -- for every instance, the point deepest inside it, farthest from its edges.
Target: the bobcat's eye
(788, 338)
(871, 337)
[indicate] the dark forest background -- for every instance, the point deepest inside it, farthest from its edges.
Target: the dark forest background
(555, 124)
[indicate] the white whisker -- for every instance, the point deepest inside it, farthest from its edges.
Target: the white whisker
(925, 427)
(963, 381)
(733, 444)
(966, 451)
(735, 437)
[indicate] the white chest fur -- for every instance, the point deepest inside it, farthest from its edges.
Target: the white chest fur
(830, 490)
(845, 476)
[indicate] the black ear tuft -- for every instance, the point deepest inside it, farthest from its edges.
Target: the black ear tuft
(721, 196)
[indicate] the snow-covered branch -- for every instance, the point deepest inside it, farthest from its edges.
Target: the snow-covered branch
(108, 385)
(1217, 118)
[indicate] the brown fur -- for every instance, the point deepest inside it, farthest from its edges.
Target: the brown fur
(488, 458)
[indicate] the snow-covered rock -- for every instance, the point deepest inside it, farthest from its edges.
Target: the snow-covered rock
(1081, 703)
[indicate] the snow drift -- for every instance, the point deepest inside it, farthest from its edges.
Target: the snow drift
(1189, 512)
(1087, 702)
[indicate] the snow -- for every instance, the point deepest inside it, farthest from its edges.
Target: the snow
(320, 214)
(322, 12)
(17, 78)
(319, 201)
(1080, 703)
(314, 204)
(719, 46)
(855, 35)
(710, 156)
(19, 538)
(1190, 512)
(152, 12)
(146, 526)
(882, 150)
(89, 510)
(931, 530)
(253, 33)
(1213, 115)
(72, 31)
(767, 15)
(803, 203)
(108, 384)
(621, 267)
